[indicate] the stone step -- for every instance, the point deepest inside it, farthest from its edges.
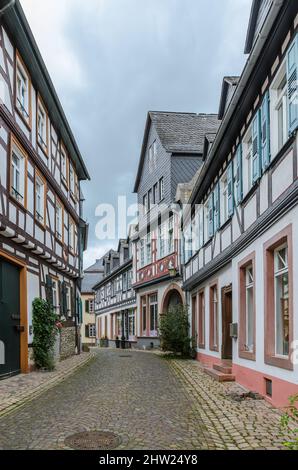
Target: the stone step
(225, 369)
(219, 376)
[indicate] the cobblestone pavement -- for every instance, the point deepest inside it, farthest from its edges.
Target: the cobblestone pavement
(148, 401)
(16, 390)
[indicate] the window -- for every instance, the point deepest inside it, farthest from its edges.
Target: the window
(279, 299)
(213, 318)
(155, 194)
(161, 241)
(68, 299)
(202, 320)
(149, 199)
(281, 290)
(129, 280)
(64, 165)
(71, 235)
(40, 195)
(91, 306)
(161, 189)
(131, 323)
(59, 221)
(92, 330)
(170, 236)
(216, 211)
(144, 314)
(238, 174)
(153, 314)
(279, 110)
(187, 236)
(71, 180)
(247, 307)
(152, 157)
(224, 197)
(42, 126)
(148, 249)
(249, 297)
(55, 290)
(23, 90)
(142, 252)
(124, 282)
(145, 203)
(248, 160)
(18, 166)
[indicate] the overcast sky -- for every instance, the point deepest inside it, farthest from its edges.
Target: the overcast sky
(113, 60)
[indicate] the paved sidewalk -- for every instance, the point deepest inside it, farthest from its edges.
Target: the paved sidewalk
(249, 424)
(17, 390)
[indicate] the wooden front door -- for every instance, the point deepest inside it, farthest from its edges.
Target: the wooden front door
(9, 319)
(227, 318)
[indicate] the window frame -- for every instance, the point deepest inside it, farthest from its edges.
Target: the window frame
(213, 325)
(64, 178)
(201, 319)
(43, 144)
(20, 153)
(161, 189)
(19, 64)
(40, 177)
(59, 203)
(249, 260)
(71, 224)
(275, 100)
(281, 238)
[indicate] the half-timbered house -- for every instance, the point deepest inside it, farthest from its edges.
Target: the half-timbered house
(42, 234)
(241, 243)
(171, 154)
(115, 299)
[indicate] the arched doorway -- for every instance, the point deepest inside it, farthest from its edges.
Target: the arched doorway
(173, 296)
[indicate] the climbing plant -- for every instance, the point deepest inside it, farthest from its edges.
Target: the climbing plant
(45, 327)
(289, 422)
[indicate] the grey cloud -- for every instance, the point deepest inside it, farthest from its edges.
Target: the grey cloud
(139, 55)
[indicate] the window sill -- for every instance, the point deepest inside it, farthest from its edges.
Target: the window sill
(43, 148)
(20, 204)
(249, 355)
(41, 225)
(278, 361)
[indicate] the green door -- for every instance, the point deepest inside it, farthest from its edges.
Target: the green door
(9, 319)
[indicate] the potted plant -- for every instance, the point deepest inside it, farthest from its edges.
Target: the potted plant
(117, 341)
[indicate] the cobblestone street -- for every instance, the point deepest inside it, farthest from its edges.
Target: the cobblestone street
(149, 402)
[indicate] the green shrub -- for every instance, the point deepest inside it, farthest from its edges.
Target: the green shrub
(174, 331)
(44, 329)
(289, 422)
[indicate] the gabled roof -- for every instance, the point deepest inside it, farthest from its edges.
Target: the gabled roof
(18, 26)
(259, 11)
(178, 133)
(229, 85)
(92, 275)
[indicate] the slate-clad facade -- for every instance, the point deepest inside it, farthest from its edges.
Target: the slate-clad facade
(171, 154)
(42, 233)
(241, 258)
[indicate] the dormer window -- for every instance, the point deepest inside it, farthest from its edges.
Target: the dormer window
(42, 126)
(23, 93)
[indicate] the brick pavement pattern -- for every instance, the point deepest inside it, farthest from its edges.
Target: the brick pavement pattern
(149, 402)
(17, 390)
